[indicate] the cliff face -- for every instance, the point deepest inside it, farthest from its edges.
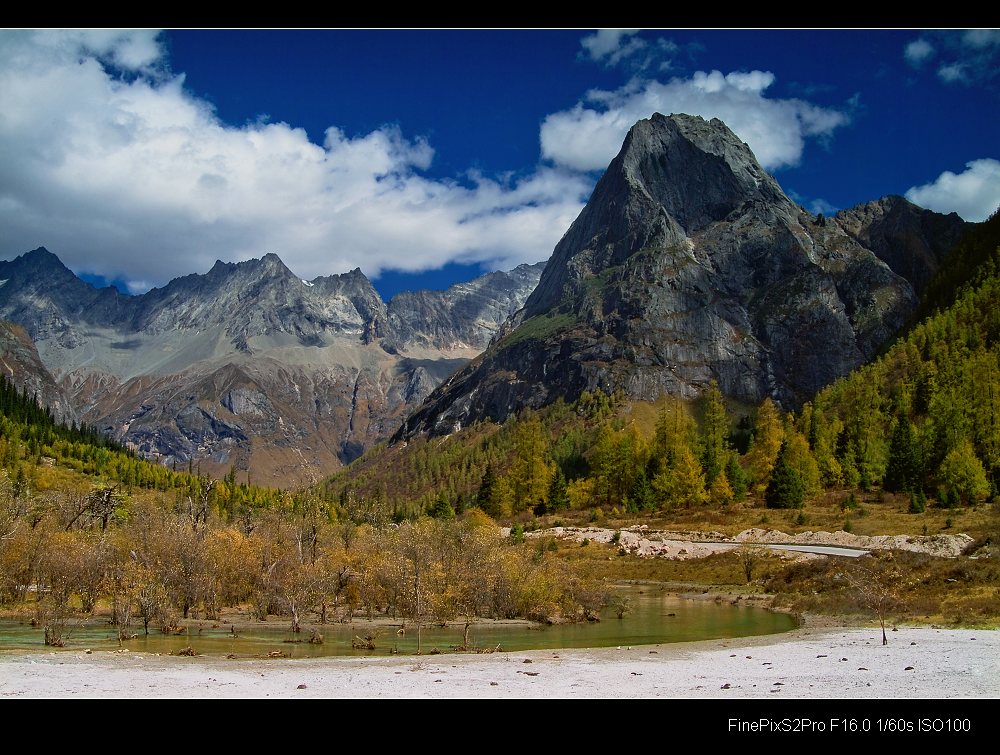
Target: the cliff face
(688, 264)
(465, 316)
(23, 367)
(248, 365)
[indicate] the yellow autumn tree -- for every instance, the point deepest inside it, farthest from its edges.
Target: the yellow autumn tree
(532, 470)
(768, 433)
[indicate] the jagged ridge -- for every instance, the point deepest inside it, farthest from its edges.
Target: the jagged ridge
(248, 364)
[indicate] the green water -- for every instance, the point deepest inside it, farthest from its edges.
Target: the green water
(657, 616)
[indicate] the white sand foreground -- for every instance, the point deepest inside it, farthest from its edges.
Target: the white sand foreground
(807, 663)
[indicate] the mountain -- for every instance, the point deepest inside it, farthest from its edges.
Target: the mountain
(465, 316)
(22, 366)
(249, 365)
(909, 239)
(925, 416)
(690, 264)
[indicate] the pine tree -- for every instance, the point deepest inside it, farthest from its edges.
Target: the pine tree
(720, 492)
(785, 490)
(642, 497)
(715, 432)
(904, 472)
(962, 475)
(486, 487)
(737, 477)
(441, 508)
(531, 471)
(803, 462)
(558, 500)
(683, 482)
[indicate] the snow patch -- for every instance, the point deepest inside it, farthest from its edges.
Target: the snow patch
(307, 283)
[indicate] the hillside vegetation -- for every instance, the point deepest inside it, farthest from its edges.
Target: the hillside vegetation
(916, 432)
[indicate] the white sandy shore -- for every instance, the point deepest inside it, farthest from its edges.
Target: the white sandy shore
(806, 663)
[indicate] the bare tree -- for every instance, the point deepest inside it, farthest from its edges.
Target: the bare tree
(877, 581)
(97, 505)
(751, 553)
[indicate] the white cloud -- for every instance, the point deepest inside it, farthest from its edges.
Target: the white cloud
(968, 57)
(587, 137)
(918, 51)
(974, 193)
(132, 177)
(952, 72)
(981, 37)
(818, 206)
(822, 207)
(612, 45)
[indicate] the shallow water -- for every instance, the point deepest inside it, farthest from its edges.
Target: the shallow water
(657, 616)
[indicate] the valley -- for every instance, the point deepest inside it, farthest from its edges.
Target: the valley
(707, 390)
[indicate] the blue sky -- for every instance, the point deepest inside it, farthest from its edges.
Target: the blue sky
(426, 157)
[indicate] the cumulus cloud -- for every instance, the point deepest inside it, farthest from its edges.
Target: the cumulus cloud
(612, 45)
(587, 136)
(108, 161)
(917, 52)
(974, 193)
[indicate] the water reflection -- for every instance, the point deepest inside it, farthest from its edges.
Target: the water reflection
(656, 616)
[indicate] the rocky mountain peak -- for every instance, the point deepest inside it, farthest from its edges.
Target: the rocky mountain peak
(688, 264)
(697, 171)
(41, 257)
(266, 268)
(465, 316)
(38, 265)
(674, 176)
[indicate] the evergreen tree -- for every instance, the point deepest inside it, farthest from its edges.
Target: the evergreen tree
(803, 462)
(642, 497)
(683, 482)
(486, 488)
(904, 471)
(558, 500)
(715, 432)
(785, 490)
(720, 492)
(737, 477)
(768, 434)
(531, 471)
(962, 475)
(441, 508)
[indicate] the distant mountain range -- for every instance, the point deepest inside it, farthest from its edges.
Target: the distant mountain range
(688, 264)
(248, 364)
